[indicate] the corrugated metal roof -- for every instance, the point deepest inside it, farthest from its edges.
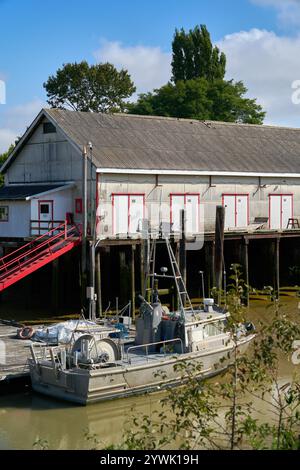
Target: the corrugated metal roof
(125, 141)
(21, 192)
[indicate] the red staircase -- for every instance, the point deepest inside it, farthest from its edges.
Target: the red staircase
(40, 251)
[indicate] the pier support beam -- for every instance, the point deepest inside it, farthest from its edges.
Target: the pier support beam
(132, 272)
(123, 275)
(277, 267)
(55, 286)
(142, 266)
(209, 249)
(219, 248)
(245, 266)
(98, 283)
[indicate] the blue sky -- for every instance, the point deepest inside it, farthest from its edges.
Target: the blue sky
(259, 37)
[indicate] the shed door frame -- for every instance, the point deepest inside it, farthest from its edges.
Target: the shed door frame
(236, 196)
(281, 195)
(50, 202)
(185, 196)
(128, 195)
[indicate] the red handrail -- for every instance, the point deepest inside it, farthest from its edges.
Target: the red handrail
(31, 242)
(11, 266)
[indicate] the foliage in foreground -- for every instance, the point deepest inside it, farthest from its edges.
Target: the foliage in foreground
(4, 156)
(229, 413)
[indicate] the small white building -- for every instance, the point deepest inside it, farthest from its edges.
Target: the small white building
(149, 167)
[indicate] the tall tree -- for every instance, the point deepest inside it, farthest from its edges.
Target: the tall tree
(194, 56)
(197, 89)
(198, 98)
(97, 88)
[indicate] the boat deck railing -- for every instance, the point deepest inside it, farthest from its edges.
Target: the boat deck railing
(150, 345)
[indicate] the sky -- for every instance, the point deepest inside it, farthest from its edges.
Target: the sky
(260, 38)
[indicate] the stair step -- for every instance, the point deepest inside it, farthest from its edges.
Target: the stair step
(57, 249)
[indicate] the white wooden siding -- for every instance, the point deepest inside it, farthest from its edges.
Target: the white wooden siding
(18, 224)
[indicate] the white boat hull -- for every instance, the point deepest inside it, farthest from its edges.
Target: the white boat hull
(85, 386)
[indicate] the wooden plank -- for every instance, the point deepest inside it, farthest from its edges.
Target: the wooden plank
(219, 246)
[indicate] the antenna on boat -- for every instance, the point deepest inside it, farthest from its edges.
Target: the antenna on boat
(202, 282)
(117, 308)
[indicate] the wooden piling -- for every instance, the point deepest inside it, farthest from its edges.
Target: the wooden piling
(122, 271)
(277, 267)
(98, 283)
(142, 266)
(55, 286)
(92, 281)
(132, 271)
(209, 248)
(245, 266)
(84, 228)
(219, 246)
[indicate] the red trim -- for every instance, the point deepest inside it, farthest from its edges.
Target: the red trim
(184, 201)
(113, 213)
(128, 214)
(45, 201)
(97, 217)
(236, 195)
(113, 195)
(127, 194)
(235, 210)
(281, 195)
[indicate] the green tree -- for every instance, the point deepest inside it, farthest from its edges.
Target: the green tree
(4, 157)
(226, 413)
(197, 89)
(201, 99)
(97, 88)
(194, 56)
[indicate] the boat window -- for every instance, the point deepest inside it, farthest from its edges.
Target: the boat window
(213, 329)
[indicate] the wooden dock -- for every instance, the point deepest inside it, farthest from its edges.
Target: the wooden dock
(14, 354)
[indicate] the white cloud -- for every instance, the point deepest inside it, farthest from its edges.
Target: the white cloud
(7, 137)
(18, 117)
(15, 120)
(288, 11)
(149, 67)
(268, 65)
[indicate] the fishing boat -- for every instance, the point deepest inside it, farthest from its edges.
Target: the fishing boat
(92, 369)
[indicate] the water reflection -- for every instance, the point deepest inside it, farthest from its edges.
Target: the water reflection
(28, 417)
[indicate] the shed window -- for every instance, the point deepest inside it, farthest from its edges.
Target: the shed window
(3, 213)
(44, 208)
(49, 128)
